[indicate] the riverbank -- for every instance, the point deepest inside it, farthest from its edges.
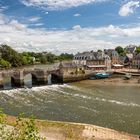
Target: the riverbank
(118, 81)
(52, 130)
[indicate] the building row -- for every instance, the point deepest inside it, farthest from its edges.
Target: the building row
(108, 59)
(93, 60)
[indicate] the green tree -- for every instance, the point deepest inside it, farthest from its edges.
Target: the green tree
(120, 50)
(137, 50)
(50, 58)
(4, 63)
(27, 58)
(99, 51)
(43, 59)
(65, 56)
(11, 56)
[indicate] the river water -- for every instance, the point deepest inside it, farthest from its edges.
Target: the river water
(116, 107)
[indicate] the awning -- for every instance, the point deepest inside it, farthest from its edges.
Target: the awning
(96, 66)
(117, 65)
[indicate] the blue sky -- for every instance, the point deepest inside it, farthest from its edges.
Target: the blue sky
(69, 25)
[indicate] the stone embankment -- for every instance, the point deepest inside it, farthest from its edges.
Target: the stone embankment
(52, 130)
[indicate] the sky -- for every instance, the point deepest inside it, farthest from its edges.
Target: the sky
(71, 26)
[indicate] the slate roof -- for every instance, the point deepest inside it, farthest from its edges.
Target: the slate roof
(69, 65)
(91, 56)
(130, 48)
(111, 52)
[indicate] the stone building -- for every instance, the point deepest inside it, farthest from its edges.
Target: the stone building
(70, 68)
(136, 61)
(93, 60)
(81, 58)
(115, 59)
(130, 49)
(128, 60)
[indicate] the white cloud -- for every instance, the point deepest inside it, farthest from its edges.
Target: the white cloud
(77, 15)
(76, 27)
(129, 8)
(34, 19)
(46, 13)
(18, 26)
(23, 38)
(3, 8)
(58, 4)
(2, 19)
(38, 24)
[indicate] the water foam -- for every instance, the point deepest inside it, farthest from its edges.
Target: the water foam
(48, 89)
(60, 89)
(89, 109)
(118, 102)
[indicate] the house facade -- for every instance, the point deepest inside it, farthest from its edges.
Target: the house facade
(136, 61)
(93, 60)
(69, 68)
(113, 55)
(81, 58)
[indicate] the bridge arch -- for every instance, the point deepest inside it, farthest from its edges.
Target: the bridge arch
(28, 80)
(34, 79)
(7, 82)
(31, 78)
(54, 78)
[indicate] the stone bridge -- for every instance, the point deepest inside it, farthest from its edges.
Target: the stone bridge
(39, 77)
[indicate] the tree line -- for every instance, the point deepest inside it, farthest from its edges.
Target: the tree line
(11, 58)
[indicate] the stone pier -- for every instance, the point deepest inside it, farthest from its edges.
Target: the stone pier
(17, 79)
(1, 80)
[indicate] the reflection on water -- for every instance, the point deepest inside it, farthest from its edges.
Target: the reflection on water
(49, 79)
(114, 107)
(28, 80)
(7, 83)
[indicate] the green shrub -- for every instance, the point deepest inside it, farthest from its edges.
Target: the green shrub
(24, 129)
(4, 63)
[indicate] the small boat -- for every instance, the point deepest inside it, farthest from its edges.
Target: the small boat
(128, 76)
(102, 75)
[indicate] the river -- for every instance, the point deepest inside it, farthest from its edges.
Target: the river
(114, 106)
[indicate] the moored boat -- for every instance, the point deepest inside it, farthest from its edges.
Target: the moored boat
(102, 75)
(128, 76)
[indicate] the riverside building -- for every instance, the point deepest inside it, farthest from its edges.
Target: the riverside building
(93, 60)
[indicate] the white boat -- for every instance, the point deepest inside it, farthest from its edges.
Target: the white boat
(128, 76)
